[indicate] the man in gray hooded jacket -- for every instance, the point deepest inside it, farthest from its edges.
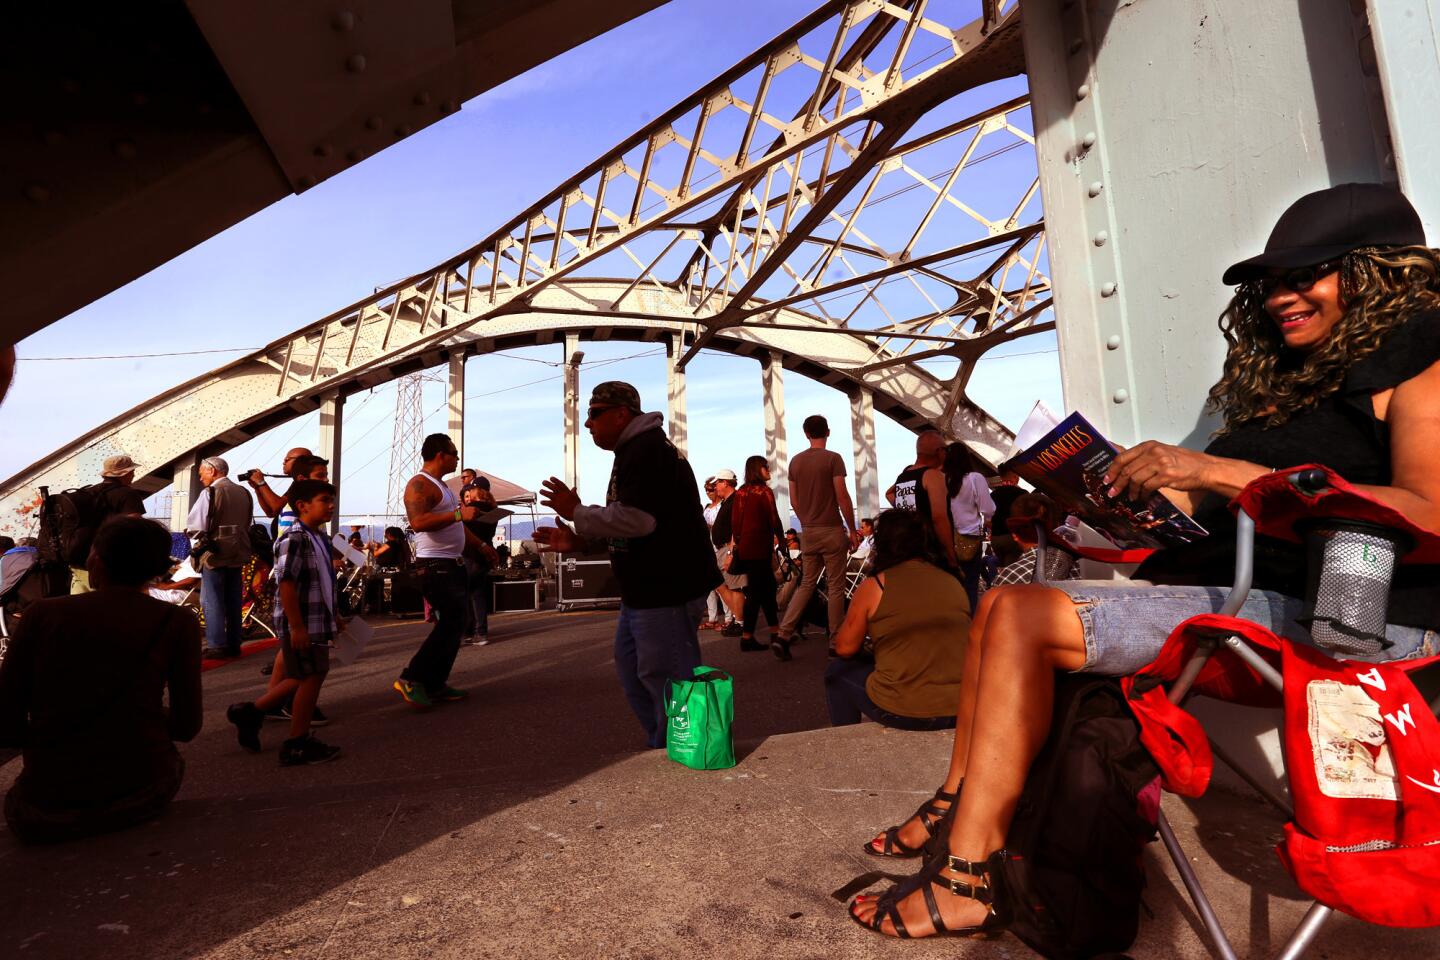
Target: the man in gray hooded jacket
(655, 531)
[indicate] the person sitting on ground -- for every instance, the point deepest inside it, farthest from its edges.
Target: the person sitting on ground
(1334, 357)
(307, 624)
(83, 690)
(918, 617)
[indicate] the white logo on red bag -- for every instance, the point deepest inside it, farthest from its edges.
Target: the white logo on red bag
(1423, 784)
(1400, 718)
(1372, 678)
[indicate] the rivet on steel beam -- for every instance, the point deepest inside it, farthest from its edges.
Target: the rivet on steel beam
(450, 105)
(344, 21)
(1101, 238)
(305, 182)
(125, 150)
(355, 63)
(422, 98)
(1088, 140)
(139, 99)
(324, 150)
(1107, 290)
(53, 138)
(1076, 44)
(37, 193)
(403, 130)
(374, 122)
(1113, 343)
(1121, 395)
(1083, 91)
(1095, 187)
(355, 155)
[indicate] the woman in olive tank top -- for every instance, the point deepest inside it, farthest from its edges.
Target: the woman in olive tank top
(919, 619)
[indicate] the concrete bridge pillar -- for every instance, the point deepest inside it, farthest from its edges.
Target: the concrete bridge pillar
(573, 418)
(867, 468)
(332, 422)
(455, 405)
(186, 490)
(772, 380)
(675, 394)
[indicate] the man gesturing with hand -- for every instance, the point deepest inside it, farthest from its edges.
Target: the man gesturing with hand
(655, 532)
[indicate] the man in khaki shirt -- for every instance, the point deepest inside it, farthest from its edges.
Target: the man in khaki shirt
(827, 531)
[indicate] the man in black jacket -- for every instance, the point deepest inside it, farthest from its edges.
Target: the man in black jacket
(659, 547)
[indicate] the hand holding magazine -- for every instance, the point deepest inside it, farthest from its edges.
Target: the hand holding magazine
(1068, 464)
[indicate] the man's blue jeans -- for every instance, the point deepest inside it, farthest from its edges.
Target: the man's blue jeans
(652, 647)
(220, 592)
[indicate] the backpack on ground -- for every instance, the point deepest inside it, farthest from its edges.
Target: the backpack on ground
(1089, 807)
(68, 521)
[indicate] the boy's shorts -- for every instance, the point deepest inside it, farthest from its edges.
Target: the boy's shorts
(314, 662)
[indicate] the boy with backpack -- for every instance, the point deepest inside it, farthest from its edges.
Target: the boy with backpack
(307, 624)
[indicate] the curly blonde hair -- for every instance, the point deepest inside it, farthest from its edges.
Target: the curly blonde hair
(1263, 380)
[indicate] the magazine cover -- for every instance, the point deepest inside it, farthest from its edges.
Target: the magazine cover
(1068, 464)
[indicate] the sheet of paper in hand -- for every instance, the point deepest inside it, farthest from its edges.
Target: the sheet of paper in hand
(1068, 464)
(351, 641)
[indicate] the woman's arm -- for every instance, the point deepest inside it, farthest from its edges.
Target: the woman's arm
(857, 619)
(1184, 476)
(1413, 416)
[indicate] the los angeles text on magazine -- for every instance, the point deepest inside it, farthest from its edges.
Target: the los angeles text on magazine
(1068, 464)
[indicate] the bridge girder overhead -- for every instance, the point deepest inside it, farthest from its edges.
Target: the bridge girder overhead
(812, 201)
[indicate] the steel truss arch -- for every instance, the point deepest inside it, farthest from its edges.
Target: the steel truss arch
(743, 243)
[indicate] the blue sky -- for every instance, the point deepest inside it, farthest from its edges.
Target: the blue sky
(411, 206)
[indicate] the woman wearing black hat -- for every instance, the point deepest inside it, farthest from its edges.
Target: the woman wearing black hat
(1334, 357)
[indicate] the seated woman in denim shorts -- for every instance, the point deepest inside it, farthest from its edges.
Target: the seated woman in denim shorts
(1334, 358)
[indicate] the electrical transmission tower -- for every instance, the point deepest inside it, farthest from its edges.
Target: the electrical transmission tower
(405, 442)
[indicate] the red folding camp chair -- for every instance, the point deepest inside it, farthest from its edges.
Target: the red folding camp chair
(1362, 746)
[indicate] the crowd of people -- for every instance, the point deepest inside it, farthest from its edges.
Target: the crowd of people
(929, 609)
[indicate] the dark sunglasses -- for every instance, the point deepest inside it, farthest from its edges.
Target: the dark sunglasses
(1300, 279)
(594, 412)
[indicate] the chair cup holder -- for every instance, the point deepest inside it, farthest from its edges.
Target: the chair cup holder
(1350, 567)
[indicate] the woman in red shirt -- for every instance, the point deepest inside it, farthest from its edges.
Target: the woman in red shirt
(755, 524)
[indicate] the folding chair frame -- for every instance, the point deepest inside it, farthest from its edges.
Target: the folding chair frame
(1309, 927)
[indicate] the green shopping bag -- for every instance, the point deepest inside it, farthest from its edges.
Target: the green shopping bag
(698, 714)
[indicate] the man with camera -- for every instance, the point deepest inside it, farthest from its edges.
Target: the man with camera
(221, 519)
(270, 501)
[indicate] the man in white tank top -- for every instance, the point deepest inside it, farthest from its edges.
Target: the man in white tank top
(437, 517)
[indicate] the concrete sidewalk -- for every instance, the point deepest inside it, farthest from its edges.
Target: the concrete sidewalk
(527, 822)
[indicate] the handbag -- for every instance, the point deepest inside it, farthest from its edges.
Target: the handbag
(698, 716)
(967, 547)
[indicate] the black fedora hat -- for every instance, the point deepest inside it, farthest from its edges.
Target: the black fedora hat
(1322, 225)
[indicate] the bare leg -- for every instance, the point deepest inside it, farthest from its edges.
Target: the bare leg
(276, 694)
(912, 832)
(306, 693)
(1028, 633)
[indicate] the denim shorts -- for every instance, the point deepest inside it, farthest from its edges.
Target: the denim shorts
(1126, 625)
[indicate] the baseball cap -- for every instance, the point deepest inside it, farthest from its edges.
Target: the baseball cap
(615, 393)
(1327, 223)
(118, 465)
(726, 474)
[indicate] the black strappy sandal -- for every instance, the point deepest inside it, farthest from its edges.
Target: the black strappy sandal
(935, 819)
(988, 891)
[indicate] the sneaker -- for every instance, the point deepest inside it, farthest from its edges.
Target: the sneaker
(732, 629)
(450, 695)
(752, 646)
(282, 712)
(247, 720)
(781, 649)
(479, 640)
(302, 751)
(414, 694)
(218, 653)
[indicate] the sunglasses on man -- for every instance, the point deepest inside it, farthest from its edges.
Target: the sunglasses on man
(594, 413)
(1299, 279)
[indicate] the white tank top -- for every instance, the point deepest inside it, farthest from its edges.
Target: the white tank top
(448, 542)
